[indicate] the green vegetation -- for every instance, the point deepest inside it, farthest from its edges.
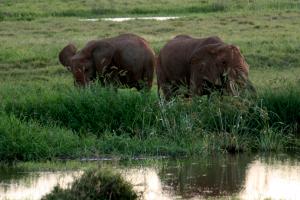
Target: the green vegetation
(95, 184)
(43, 117)
(29, 141)
(32, 9)
(102, 124)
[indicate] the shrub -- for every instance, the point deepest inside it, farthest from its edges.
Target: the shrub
(95, 184)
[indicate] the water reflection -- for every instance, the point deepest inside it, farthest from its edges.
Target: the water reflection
(243, 177)
(276, 181)
(33, 185)
(147, 182)
(123, 19)
(210, 177)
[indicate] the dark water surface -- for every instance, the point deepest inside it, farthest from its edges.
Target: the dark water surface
(216, 177)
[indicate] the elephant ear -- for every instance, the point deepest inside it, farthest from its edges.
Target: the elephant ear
(204, 68)
(102, 55)
(66, 54)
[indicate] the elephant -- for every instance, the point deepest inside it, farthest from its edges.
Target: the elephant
(201, 65)
(126, 59)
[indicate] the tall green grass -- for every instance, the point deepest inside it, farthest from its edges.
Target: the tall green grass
(283, 105)
(131, 123)
(31, 141)
(98, 110)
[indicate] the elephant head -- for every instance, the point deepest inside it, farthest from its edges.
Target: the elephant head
(220, 65)
(88, 62)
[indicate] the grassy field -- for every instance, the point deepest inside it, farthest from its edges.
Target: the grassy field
(42, 115)
(33, 9)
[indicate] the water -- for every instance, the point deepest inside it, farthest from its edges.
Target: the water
(217, 177)
(123, 19)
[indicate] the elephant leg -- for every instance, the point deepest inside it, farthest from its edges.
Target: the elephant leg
(138, 85)
(146, 84)
(141, 85)
(101, 80)
(166, 90)
(175, 90)
(169, 90)
(197, 87)
(148, 76)
(134, 81)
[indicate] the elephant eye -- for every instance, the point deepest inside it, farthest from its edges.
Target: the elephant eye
(224, 62)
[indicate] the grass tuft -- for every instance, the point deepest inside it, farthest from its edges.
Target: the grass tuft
(96, 184)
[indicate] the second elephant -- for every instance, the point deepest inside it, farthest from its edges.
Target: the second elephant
(201, 66)
(126, 59)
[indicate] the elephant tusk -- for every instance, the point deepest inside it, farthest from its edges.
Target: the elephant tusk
(104, 69)
(103, 61)
(226, 72)
(233, 88)
(205, 78)
(218, 82)
(123, 72)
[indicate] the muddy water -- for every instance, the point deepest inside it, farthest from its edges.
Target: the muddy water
(217, 177)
